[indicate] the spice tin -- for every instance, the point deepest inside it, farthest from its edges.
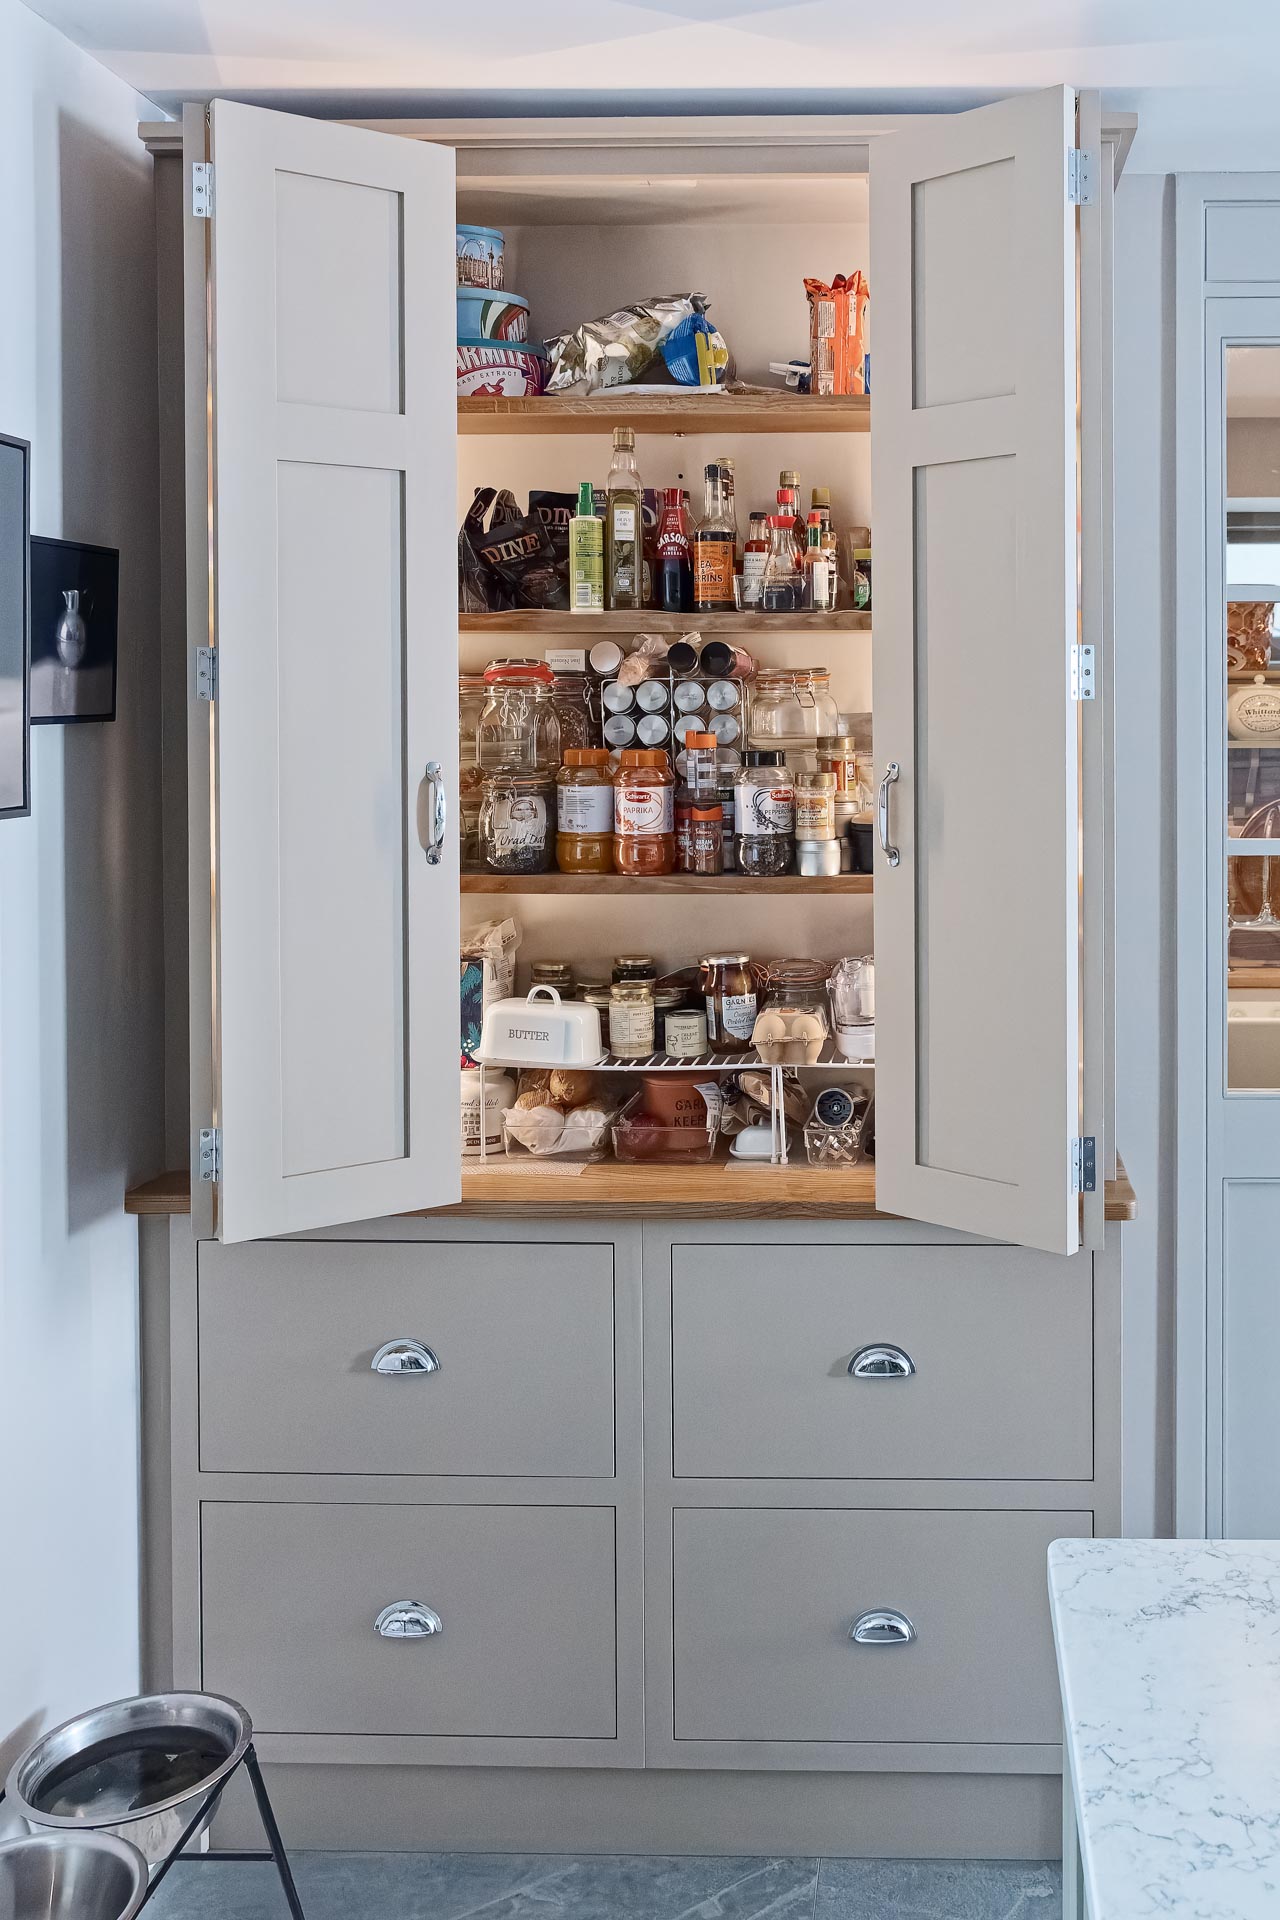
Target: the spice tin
(815, 858)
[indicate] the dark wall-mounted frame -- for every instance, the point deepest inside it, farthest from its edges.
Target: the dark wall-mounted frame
(15, 627)
(73, 667)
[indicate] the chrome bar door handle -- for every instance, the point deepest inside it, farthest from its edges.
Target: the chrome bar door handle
(432, 813)
(404, 1356)
(881, 1362)
(882, 1627)
(408, 1620)
(891, 853)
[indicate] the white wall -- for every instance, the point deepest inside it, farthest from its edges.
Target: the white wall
(1144, 715)
(80, 976)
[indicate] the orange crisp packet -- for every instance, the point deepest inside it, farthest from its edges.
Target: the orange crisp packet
(839, 334)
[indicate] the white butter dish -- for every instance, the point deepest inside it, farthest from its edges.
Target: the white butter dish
(542, 1031)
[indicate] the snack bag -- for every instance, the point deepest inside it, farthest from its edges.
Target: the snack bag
(839, 334)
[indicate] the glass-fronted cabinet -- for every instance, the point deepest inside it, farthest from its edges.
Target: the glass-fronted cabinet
(1252, 716)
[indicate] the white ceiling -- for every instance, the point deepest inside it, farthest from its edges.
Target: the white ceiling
(1204, 78)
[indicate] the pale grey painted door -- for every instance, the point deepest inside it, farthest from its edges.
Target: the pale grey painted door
(331, 312)
(973, 261)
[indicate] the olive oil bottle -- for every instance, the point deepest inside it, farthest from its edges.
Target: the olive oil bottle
(624, 529)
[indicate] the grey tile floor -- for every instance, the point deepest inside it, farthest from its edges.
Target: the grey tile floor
(490, 1886)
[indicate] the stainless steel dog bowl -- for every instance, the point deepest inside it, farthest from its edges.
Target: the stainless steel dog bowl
(135, 1768)
(71, 1876)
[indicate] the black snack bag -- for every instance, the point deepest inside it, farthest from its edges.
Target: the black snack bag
(518, 551)
(556, 510)
(480, 589)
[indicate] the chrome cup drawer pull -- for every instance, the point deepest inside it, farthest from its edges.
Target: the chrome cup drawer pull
(882, 1627)
(405, 1356)
(881, 1362)
(407, 1620)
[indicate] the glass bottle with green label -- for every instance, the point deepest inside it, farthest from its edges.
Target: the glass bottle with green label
(624, 532)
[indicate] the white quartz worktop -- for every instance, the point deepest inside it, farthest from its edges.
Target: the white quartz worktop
(1169, 1658)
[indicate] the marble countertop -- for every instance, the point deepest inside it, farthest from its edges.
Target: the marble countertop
(1169, 1659)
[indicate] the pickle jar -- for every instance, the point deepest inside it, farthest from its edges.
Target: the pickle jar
(584, 812)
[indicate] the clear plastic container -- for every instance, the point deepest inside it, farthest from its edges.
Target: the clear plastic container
(644, 822)
(520, 724)
(852, 990)
(639, 1135)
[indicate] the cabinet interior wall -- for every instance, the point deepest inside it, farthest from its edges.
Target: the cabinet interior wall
(575, 250)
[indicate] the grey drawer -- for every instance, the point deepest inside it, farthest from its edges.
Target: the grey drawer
(765, 1600)
(1001, 1341)
(523, 1333)
(525, 1596)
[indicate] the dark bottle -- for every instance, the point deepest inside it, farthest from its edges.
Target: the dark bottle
(713, 549)
(674, 566)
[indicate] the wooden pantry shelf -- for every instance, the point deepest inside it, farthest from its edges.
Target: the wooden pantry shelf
(679, 412)
(593, 626)
(728, 884)
(608, 1191)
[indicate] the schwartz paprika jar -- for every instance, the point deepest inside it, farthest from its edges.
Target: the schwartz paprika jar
(584, 812)
(644, 822)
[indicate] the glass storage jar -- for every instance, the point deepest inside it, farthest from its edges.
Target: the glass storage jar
(631, 1020)
(815, 806)
(794, 1024)
(471, 698)
(575, 709)
(794, 711)
(729, 995)
(519, 725)
(516, 816)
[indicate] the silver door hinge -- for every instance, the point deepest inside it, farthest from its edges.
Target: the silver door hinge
(1083, 674)
(1084, 1164)
(202, 189)
(210, 1153)
(1082, 178)
(206, 673)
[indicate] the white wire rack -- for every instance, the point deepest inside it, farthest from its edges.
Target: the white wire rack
(702, 1064)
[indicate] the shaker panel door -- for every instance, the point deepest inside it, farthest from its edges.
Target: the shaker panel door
(334, 613)
(973, 261)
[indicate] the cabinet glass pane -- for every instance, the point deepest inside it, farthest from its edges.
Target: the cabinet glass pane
(1251, 668)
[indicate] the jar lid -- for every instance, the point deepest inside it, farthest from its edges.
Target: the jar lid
(631, 990)
(823, 782)
(535, 672)
(586, 756)
(667, 999)
(821, 496)
(764, 757)
(634, 960)
(725, 960)
(642, 757)
(700, 742)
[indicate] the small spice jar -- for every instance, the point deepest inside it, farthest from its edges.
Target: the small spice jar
(635, 966)
(553, 973)
(631, 1022)
(584, 812)
(729, 994)
(599, 994)
(815, 806)
(515, 821)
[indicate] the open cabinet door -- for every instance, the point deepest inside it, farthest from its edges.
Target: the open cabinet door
(334, 613)
(973, 263)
